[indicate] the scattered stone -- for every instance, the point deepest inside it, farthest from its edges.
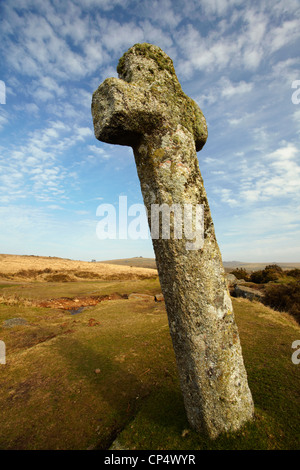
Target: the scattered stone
(140, 296)
(231, 280)
(248, 293)
(117, 446)
(159, 298)
(93, 322)
(185, 432)
(10, 323)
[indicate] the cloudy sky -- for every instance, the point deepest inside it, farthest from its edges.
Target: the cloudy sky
(238, 60)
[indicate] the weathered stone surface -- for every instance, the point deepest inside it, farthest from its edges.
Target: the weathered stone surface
(159, 298)
(146, 109)
(231, 280)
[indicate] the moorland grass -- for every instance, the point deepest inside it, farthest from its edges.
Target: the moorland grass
(70, 383)
(37, 290)
(274, 380)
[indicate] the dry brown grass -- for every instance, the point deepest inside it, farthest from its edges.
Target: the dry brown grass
(15, 267)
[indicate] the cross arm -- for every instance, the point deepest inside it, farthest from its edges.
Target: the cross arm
(122, 112)
(197, 123)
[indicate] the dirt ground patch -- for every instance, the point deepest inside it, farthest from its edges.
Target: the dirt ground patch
(76, 303)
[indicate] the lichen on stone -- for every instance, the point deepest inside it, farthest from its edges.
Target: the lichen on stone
(147, 109)
(148, 51)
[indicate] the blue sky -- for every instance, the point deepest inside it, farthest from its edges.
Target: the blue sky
(236, 59)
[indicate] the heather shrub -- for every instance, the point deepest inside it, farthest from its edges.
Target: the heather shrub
(284, 298)
(240, 273)
(273, 272)
(293, 273)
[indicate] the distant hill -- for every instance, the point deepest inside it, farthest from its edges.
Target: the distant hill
(137, 262)
(140, 262)
(231, 265)
(40, 266)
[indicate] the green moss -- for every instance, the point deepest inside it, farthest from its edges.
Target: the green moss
(148, 50)
(159, 154)
(155, 91)
(152, 52)
(121, 64)
(175, 104)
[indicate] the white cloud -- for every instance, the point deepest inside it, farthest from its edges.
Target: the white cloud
(83, 132)
(35, 165)
(280, 178)
(118, 37)
(229, 89)
(98, 152)
(210, 160)
(226, 196)
(60, 47)
(283, 35)
(160, 11)
(296, 117)
(218, 7)
(55, 207)
(158, 36)
(3, 121)
(105, 5)
(211, 53)
(227, 47)
(284, 153)
(47, 89)
(83, 212)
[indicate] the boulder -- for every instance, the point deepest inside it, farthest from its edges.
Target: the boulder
(231, 280)
(248, 293)
(159, 298)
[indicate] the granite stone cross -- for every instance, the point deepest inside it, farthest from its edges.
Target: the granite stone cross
(145, 108)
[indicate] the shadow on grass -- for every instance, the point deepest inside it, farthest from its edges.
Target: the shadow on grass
(159, 421)
(115, 390)
(161, 424)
